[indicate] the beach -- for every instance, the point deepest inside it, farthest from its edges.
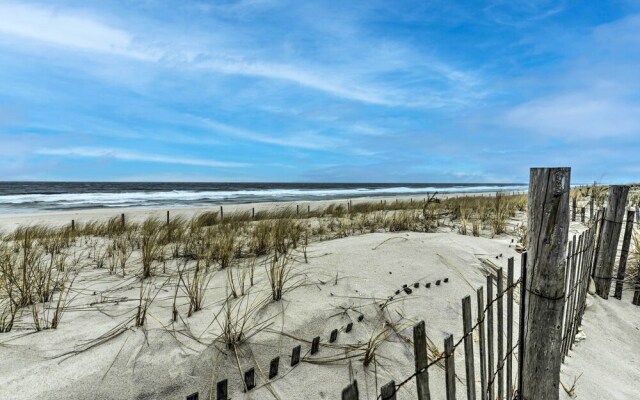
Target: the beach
(100, 348)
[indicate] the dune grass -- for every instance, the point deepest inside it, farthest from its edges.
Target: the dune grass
(35, 261)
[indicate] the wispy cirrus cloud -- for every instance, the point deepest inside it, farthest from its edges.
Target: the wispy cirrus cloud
(303, 140)
(126, 155)
(355, 82)
(62, 28)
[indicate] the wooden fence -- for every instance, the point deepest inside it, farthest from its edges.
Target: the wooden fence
(501, 365)
(498, 374)
(495, 360)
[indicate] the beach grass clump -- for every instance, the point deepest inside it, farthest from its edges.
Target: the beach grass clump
(279, 269)
(150, 247)
(237, 277)
(499, 215)
(260, 238)
(194, 284)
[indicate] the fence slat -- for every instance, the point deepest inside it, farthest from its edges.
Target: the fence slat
(490, 364)
(510, 328)
(499, 334)
(450, 368)
(351, 392)
(521, 351)
(628, 230)
(571, 282)
(388, 391)
(422, 360)
(221, 390)
(483, 356)
(577, 281)
(468, 348)
(598, 223)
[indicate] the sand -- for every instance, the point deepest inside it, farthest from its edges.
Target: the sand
(343, 279)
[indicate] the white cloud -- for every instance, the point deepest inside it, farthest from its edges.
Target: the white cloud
(66, 29)
(304, 140)
(353, 77)
(577, 115)
(125, 155)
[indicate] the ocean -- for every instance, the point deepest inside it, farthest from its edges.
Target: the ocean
(28, 197)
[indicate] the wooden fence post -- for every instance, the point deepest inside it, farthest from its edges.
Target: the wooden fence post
(624, 254)
(611, 227)
(221, 213)
(574, 209)
(548, 220)
(422, 360)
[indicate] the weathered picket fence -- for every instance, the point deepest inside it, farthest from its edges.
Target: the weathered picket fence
(555, 274)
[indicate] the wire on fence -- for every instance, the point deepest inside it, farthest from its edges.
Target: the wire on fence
(455, 346)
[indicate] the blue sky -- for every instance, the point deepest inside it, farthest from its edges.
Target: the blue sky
(271, 90)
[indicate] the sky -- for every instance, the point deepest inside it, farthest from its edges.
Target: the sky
(318, 91)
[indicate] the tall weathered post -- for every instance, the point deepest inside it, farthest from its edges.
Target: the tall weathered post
(624, 254)
(548, 219)
(609, 236)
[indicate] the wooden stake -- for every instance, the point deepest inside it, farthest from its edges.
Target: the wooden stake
(273, 367)
(221, 390)
(250, 379)
(388, 391)
(351, 392)
(295, 355)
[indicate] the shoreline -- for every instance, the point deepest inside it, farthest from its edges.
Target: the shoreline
(11, 221)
